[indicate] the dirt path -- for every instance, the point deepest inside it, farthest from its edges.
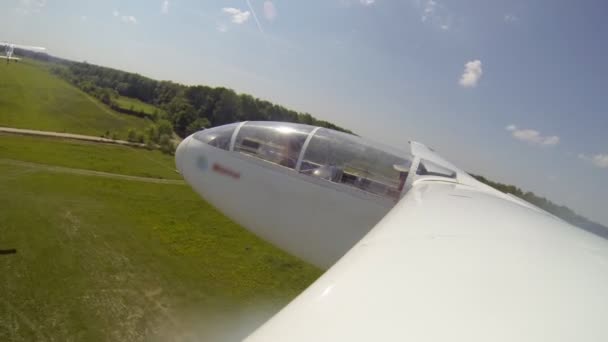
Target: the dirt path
(61, 169)
(67, 136)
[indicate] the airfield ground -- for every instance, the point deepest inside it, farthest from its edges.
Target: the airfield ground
(107, 259)
(87, 155)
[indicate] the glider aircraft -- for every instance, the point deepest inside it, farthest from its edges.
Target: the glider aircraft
(415, 248)
(9, 50)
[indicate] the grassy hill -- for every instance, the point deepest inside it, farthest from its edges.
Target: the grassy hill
(135, 105)
(31, 97)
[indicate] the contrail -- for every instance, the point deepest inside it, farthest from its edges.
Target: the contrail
(255, 17)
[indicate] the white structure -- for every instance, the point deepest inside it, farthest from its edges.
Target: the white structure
(418, 249)
(9, 50)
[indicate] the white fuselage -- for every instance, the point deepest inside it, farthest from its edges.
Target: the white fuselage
(9, 50)
(311, 218)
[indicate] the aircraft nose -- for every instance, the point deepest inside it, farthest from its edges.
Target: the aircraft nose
(180, 153)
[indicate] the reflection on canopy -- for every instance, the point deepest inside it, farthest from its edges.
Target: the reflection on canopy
(347, 159)
(318, 152)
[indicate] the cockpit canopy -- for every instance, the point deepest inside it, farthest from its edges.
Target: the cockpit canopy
(317, 152)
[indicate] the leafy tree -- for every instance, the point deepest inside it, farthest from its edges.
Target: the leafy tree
(197, 125)
(183, 105)
(249, 109)
(165, 91)
(226, 109)
(560, 211)
(275, 113)
(198, 96)
(164, 127)
(181, 114)
(122, 88)
(306, 119)
(155, 115)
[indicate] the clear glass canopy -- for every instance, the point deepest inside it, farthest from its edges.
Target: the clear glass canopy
(276, 142)
(317, 152)
(219, 137)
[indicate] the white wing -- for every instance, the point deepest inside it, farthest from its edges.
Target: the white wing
(454, 262)
(31, 48)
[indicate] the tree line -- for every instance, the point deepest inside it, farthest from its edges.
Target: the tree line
(560, 211)
(187, 108)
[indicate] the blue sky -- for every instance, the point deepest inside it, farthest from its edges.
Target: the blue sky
(513, 90)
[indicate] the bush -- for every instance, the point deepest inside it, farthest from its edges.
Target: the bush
(140, 137)
(150, 145)
(132, 135)
(166, 145)
(152, 134)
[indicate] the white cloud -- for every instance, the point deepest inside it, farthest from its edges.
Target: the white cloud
(434, 14)
(550, 141)
(237, 16)
(33, 3)
(510, 18)
(83, 18)
(351, 3)
(429, 10)
(270, 12)
(164, 7)
(599, 160)
(128, 19)
(221, 28)
(29, 6)
(472, 73)
(532, 136)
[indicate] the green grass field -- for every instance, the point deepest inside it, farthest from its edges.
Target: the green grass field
(31, 97)
(135, 105)
(86, 155)
(113, 260)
